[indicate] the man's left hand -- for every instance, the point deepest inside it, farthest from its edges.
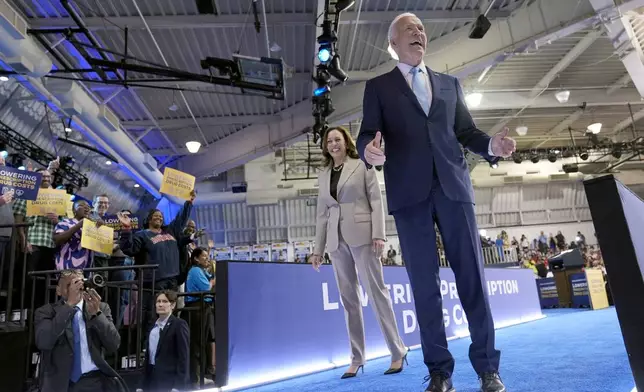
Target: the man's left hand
(502, 145)
(92, 301)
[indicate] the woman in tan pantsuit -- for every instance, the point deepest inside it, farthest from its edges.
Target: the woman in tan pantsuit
(351, 224)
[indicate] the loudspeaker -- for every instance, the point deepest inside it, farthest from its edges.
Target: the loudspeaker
(480, 27)
(206, 7)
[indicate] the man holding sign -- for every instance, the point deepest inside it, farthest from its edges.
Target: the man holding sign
(68, 237)
(38, 240)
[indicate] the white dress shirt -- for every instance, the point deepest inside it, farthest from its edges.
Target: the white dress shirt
(405, 69)
(87, 365)
(155, 334)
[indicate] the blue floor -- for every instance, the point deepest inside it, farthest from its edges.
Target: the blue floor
(570, 351)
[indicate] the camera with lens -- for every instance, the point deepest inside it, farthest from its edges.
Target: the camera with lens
(95, 282)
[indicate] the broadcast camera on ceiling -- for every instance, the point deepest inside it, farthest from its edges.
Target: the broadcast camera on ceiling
(252, 75)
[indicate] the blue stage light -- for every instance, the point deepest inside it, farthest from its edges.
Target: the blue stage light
(321, 91)
(324, 55)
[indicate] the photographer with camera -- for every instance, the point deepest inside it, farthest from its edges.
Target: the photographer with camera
(67, 237)
(72, 335)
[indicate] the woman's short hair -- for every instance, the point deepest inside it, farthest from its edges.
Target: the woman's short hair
(196, 253)
(352, 151)
(169, 294)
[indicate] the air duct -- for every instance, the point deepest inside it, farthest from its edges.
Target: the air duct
(24, 56)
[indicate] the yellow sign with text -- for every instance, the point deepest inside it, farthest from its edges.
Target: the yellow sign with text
(596, 289)
(99, 239)
(70, 209)
(48, 201)
(177, 183)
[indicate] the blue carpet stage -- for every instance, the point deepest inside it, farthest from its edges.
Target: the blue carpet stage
(569, 351)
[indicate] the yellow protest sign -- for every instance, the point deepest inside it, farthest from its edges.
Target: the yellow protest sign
(48, 201)
(596, 289)
(177, 183)
(99, 239)
(70, 209)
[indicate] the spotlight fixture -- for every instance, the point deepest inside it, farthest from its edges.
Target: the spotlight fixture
(535, 158)
(343, 5)
(336, 70)
(552, 157)
(4, 154)
(108, 163)
(173, 107)
(583, 155)
(324, 54)
(193, 146)
(617, 152)
(4, 78)
(562, 96)
(521, 130)
(320, 91)
(517, 158)
(136, 185)
(473, 100)
(595, 128)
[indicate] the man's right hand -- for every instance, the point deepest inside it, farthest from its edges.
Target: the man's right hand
(373, 154)
(75, 292)
(316, 261)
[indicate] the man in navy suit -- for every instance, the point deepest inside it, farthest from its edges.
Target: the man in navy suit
(422, 117)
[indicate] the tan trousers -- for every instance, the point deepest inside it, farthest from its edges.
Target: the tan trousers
(347, 263)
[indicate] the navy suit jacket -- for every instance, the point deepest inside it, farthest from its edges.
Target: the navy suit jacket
(172, 359)
(417, 144)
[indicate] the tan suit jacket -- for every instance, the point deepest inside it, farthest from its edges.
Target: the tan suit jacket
(358, 213)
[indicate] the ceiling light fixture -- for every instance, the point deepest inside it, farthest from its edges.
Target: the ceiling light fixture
(595, 128)
(473, 100)
(136, 185)
(4, 78)
(562, 96)
(521, 130)
(275, 47)
(193, 146)
(108, 163)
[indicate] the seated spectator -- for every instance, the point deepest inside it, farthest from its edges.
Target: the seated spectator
(67, 237)
(72, 334)
(168, 342)
(201, 278)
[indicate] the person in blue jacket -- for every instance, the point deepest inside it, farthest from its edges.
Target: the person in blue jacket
(157, 244)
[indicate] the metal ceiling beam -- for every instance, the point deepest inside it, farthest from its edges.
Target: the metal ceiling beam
(545, 81)
(626, 43)
(619, 83)
(203, 121)
(625, 123)
(559, 128)
(528, 28)
(241, 20)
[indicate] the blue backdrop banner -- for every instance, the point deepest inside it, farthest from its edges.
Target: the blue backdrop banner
(548, 295)
(25, 184)
(287, 319)
(579, 286)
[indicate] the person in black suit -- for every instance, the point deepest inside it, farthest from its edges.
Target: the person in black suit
(167, 355)
(71, 335)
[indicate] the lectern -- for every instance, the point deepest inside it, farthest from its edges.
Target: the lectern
(618, 216)
(563, 265)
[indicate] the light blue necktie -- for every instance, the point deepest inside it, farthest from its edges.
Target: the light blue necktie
(77, 371)
(419, 87)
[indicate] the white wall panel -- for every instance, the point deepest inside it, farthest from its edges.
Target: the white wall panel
(506, 199)
(533, 197)
(294, 219)
(483, 200)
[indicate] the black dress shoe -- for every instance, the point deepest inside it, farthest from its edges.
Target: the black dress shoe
(491, 382)
(439, 382)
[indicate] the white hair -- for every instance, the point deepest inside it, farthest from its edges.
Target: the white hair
(390, 32)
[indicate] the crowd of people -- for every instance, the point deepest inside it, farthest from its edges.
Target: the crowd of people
(180, 284)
